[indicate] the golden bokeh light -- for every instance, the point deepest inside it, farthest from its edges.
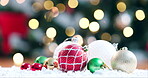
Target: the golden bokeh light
(121, 6)
(47, 40)
(55, 11)
(84, 23)
(18, 59)
(33, 24)
(70, 31)
(73, 3)
(48, 5)
(20, 1)
(128, 32)
(94, 2)
(4, 2)
(106, 36)
(37, 6)
(51, 32)
(80, 39)
(61, 7)
(98, 14)
(140, 15)
(94, 26)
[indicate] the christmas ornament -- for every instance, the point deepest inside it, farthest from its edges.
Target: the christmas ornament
(40, 59)
(72, 58)
(36, 66)
(95, 64)
(124, 60)
(51, 63)
(62, 45)
(101, 49)
(25, 66)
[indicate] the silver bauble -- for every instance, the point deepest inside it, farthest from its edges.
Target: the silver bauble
(124, 60)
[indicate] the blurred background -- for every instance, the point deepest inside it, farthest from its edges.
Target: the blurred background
(36, 27)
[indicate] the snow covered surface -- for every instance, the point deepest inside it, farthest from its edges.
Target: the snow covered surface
(45, 73)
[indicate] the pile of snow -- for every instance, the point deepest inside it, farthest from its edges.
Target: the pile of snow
(16, 72)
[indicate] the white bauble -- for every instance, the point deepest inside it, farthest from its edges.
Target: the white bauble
(60, 47)
(101, 49)
(124, 60)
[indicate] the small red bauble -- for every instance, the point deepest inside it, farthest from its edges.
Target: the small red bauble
(25, 66)
(36, 66)
(72, 58)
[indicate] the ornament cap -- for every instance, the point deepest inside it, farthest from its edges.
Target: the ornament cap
(75, 39)
(85, 48)
(124, 48)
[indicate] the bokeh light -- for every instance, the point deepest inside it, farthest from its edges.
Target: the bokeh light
(80, 39)
(98, 14)
(61, 7)
(73, 3)
(47, 40)
(128, 32)
(123, 20)
(52, 46)
(55, 11)
(121, 6)
(48, 16)
(140, 15)
(70, 31)
(84, 23)
(115, 38)
(4, 2)
(20, 1)
(48, 5)
(33, 24)
(37, 6)
(126, 19)
(18, 59)
(94, 26)
(106, 36)
(51, 32)
(94, 2)
(90, 39)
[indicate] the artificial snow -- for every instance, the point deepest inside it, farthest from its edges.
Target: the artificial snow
(46, 73)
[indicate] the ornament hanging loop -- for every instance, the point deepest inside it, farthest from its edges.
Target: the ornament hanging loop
(105, 66)
(74, 39)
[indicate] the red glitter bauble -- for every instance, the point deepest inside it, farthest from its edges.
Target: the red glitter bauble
(25, 66)
(36, 66)
(72, 58)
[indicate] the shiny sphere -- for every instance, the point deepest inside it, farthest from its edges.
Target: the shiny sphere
(40, 59)
(95, 64)
(36, 66)
(124, 60)
(25, 66)
(51, 63)
(101, 49)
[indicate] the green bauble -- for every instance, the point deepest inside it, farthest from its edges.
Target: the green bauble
(95, 64)
(40, 59)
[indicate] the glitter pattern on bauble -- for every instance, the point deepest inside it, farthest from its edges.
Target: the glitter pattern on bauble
(124, 60)
(60, 47)
(72, 58)
(101, 49)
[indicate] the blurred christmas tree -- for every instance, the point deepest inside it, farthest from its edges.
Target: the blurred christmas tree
(52, 21)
